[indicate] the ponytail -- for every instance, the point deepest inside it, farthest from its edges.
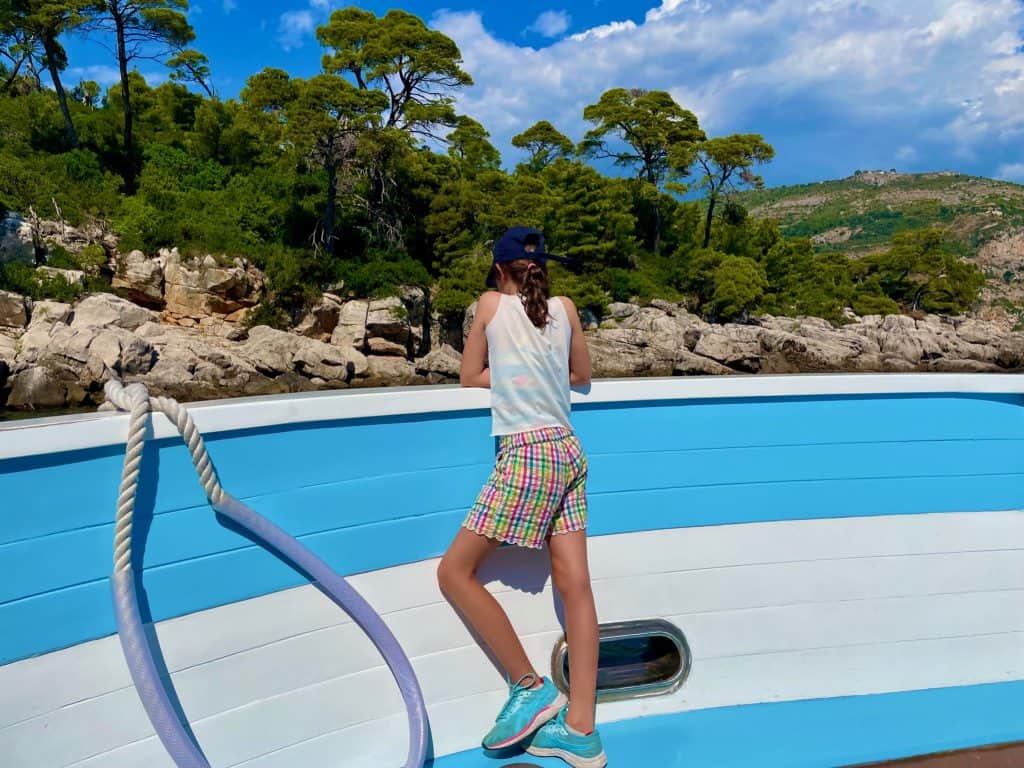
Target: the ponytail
(534, 288)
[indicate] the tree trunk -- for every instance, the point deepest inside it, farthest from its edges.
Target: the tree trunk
(331, 206)
(122, 63)
(428, 311)
(14, 76)
(35, 72)
(657, 228)
(918, 295)
(652, 179)
(50, 47)
(707, 222)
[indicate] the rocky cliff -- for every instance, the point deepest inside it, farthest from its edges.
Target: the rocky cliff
(55, 355)
(180, 325)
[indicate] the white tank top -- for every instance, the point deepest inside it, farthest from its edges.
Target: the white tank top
(529, 368)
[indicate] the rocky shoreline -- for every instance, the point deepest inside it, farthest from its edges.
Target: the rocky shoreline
(182, 325)
(56, 356)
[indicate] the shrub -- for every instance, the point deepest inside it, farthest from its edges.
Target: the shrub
(23, 279)
(382, 274)
(91, 258)
(740, 283)
(584, 290)
(874, 304)
(143, 227)
(60, 258)
(82, 165)
(268, 313)
(653, 278)
(462, 283)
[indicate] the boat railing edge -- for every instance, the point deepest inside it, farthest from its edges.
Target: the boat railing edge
(54, 434)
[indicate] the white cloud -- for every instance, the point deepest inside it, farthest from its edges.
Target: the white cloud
(297, 26)
(604, 30)
(1011, 172)
(906, 154)
(551, 23)
(935, 75)
(100, 73)
(293, 29)
(672, 7)
(107, 76)
(229, 5)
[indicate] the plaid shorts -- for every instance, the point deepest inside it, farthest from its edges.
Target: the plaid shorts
(537, 489)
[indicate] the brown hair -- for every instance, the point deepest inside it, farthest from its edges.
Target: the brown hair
(534, 288)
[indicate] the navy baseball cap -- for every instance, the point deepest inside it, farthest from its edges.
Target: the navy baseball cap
(512, 246)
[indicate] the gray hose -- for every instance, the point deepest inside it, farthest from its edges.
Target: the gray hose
(155, 690)
(151, 686)
(354, 604)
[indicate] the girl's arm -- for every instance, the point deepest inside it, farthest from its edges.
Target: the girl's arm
(474, 371)
(579, 355)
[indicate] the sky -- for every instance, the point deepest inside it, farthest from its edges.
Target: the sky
(834, 85)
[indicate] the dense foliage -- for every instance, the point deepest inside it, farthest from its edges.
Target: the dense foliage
(365, 174)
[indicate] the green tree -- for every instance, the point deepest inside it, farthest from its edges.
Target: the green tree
(652, 134)
(740, 283)
(87, 93)
(319, 123)
(726, 163)
(19, 47)
(824, 284)
(394, 177)
(418, 68)
(461, 282)
(587, 216)
(469, 144)
(270, 90)
(463, 215)
(325, 121)
(191, 66)
(46, 21)
(802, 282)
(697, 274)
(649, 126)
(922, 272)
(142, 29)
(544, 143)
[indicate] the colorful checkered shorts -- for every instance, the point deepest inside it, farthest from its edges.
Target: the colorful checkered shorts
(537, 489)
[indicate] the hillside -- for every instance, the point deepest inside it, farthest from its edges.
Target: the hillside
(859, 215)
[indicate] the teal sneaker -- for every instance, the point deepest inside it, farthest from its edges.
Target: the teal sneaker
(525, 711)
(555, 740)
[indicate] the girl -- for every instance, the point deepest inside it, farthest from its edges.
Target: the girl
(528, 349)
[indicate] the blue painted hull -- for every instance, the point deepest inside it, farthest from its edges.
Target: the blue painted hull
(374, 495)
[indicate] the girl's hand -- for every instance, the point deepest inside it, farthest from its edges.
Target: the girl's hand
(474, 371)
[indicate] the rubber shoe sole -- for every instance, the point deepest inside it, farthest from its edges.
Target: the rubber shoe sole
(599, 761)
(534, 725)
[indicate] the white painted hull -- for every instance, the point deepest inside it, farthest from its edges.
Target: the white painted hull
(776, 611)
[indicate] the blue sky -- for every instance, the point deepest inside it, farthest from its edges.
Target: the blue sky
(834, 85)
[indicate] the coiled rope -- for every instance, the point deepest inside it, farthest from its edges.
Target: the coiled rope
(155, 690)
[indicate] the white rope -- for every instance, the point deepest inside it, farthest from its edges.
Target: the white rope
(135, 400)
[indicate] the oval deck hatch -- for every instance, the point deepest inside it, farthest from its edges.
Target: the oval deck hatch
(637, 658)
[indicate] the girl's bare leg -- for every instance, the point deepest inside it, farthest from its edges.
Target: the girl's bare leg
(571, 576)
(457, 577)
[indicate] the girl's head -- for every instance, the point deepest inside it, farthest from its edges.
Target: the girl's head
(528, 279)
(520, 267)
